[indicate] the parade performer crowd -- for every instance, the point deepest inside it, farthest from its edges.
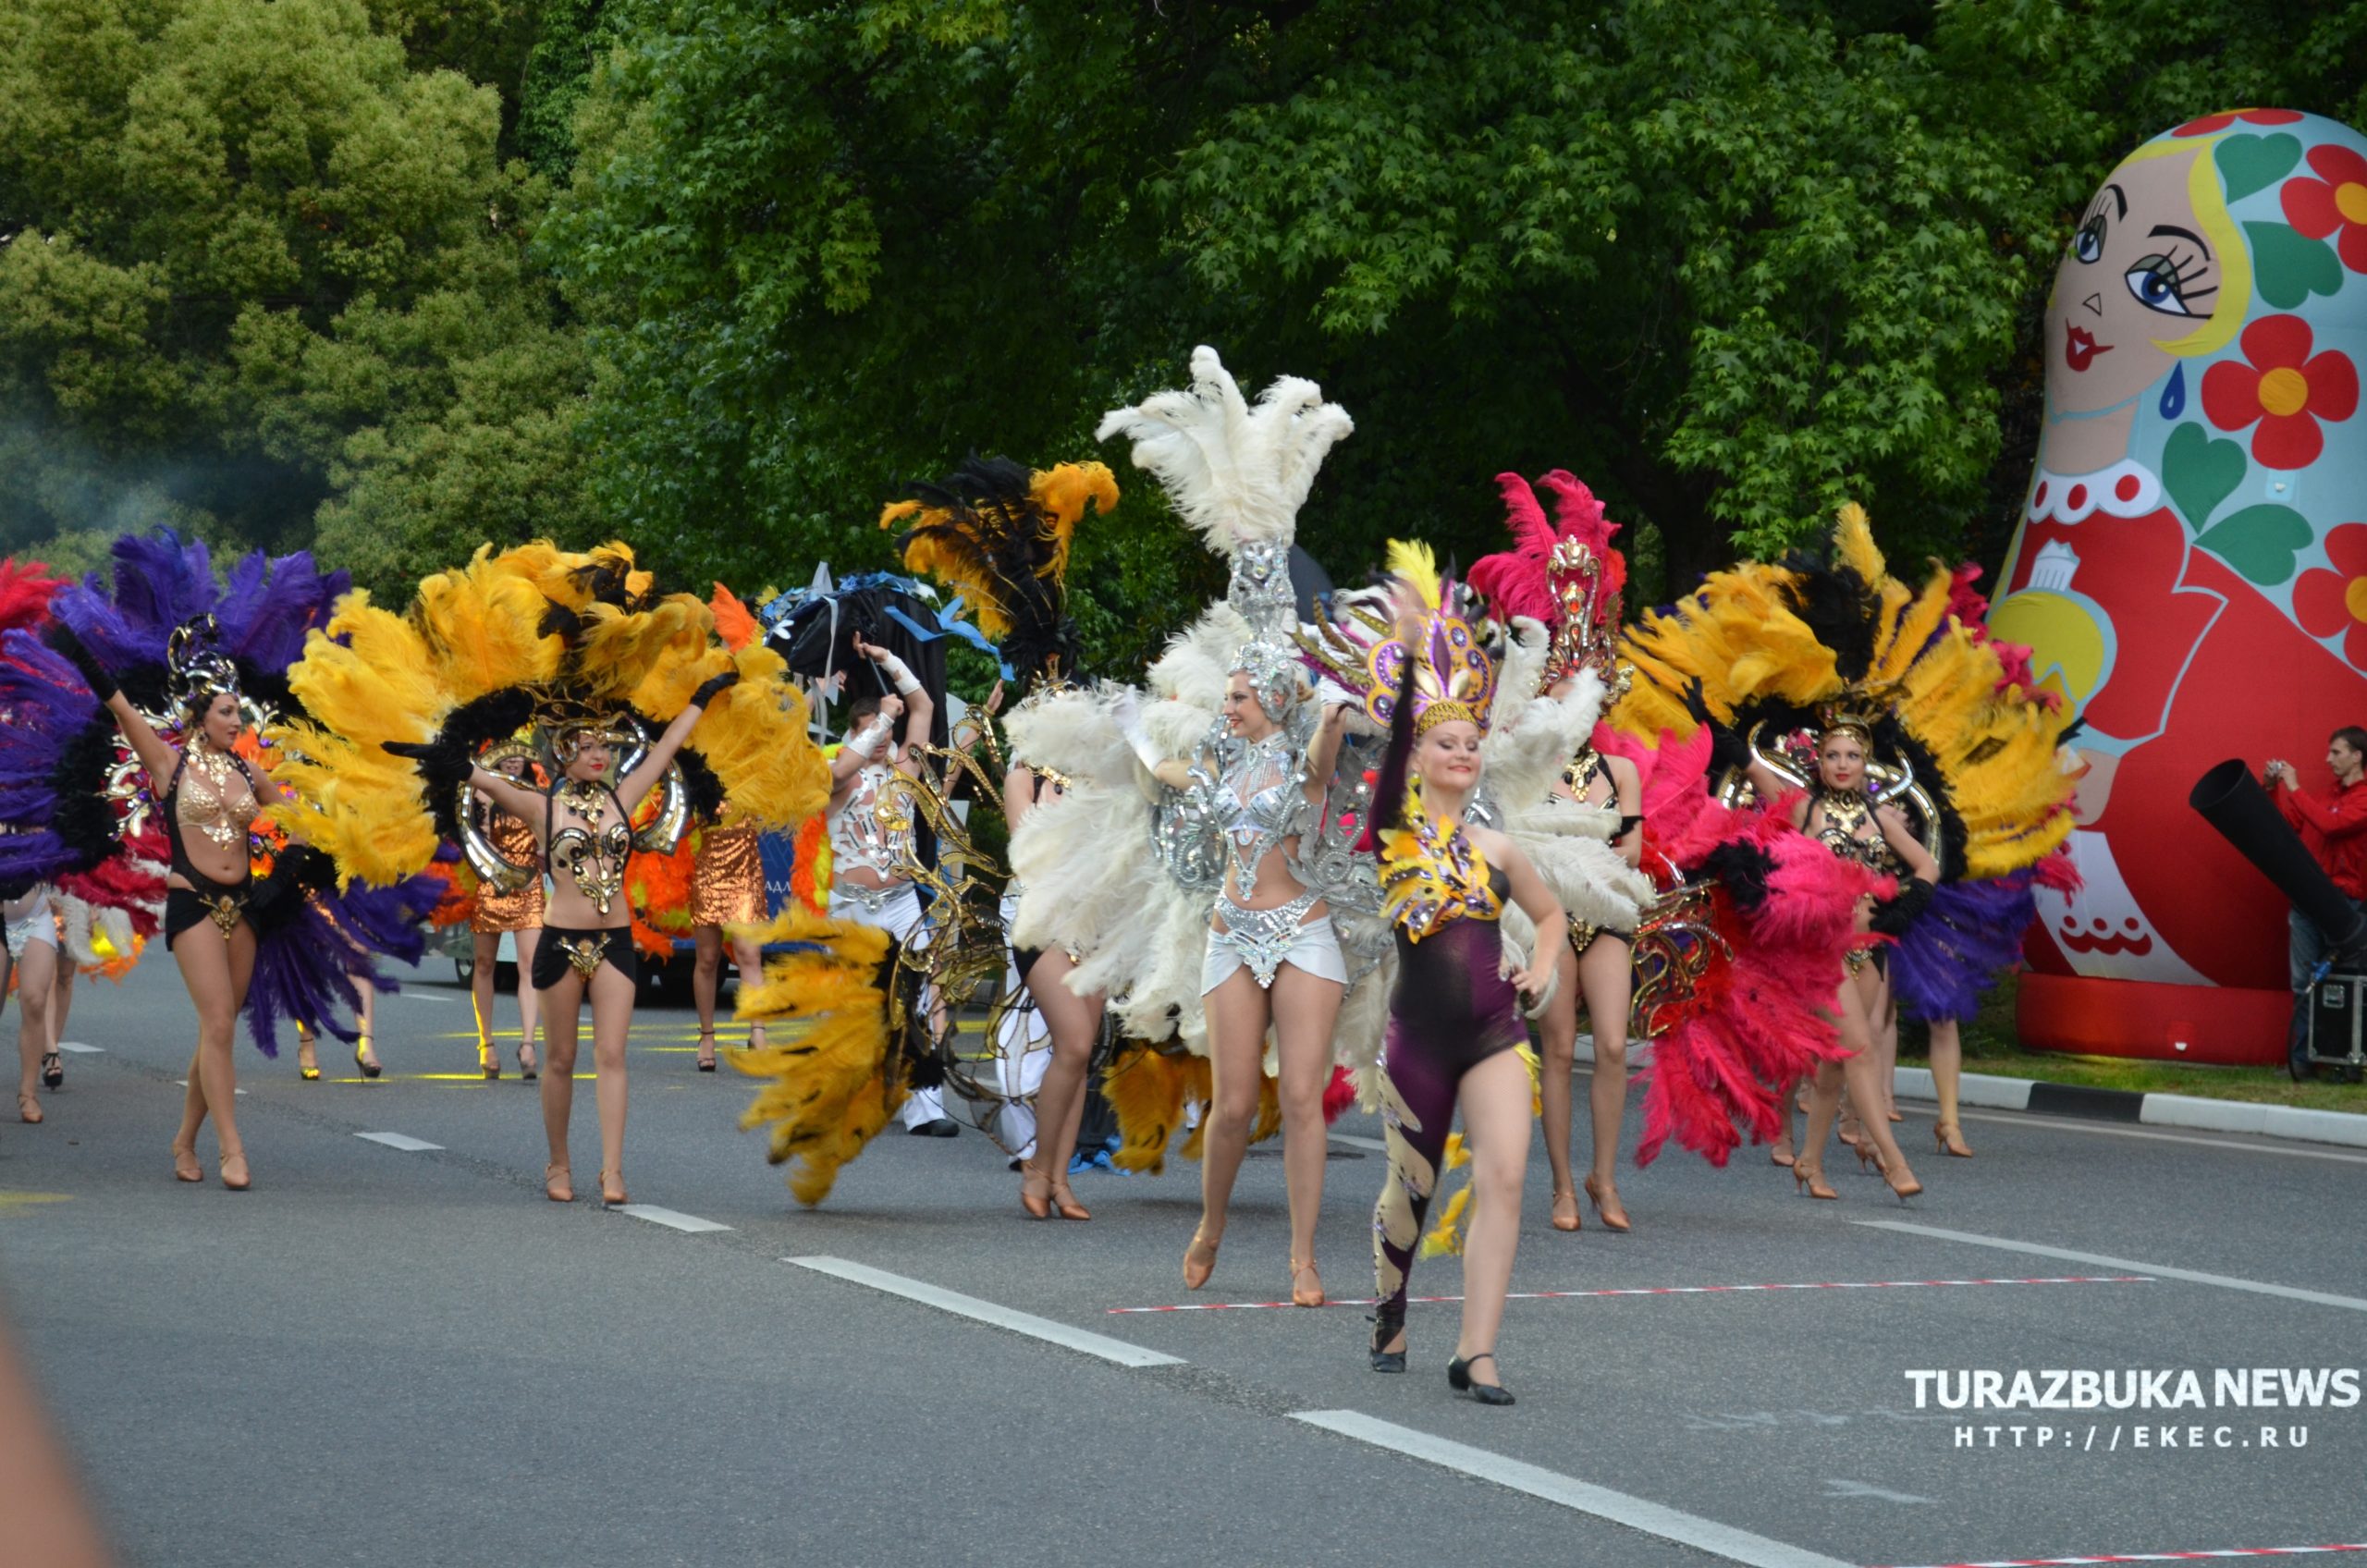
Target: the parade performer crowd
(1330, 849)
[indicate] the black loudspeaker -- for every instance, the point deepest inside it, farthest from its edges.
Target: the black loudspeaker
(2232, 801)
(2339, 1025)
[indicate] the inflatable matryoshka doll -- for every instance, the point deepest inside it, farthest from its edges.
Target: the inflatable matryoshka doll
(2191, 570)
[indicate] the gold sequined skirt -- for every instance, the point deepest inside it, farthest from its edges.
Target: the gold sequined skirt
(520, 911)
(727, 879)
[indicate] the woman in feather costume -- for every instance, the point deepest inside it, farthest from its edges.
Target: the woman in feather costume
(161, 677)
(725, 902)
(1923, 761)
(1456, 1030)
(1271, 956)
(44, 976)
(584, 646)
(1000, 534)
(515, 908)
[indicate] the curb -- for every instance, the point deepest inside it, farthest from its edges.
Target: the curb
(2035, 1095)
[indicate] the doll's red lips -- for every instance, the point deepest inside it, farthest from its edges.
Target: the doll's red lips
(2079, 346)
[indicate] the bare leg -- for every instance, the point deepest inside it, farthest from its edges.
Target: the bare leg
(1607, 969)
(1557, 1059)
(36, 974)
(366, 1017)
(530, 1001)
(1947, 1083)
(61, 998)
(748, 957)
(562, 1010)
(1237, 1018)
(1782, 1153)
(612, 998)
(486, 946)
(706, 973)
(1305, 1011)
(1886, 1047)
(1495, 1124)
(1074, 1022)
(216, 972)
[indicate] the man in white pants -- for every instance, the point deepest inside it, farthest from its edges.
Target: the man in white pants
(868, 880)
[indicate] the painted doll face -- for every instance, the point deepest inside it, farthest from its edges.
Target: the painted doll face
(2138, 274)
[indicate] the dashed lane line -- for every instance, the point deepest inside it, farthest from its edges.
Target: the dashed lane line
(80, 1048)
(2097, 1128)
(403, 1140)
(673, 1219)
(2158, 1271)
(1084, 1341)
(1567, 1491)
(1668, 1291)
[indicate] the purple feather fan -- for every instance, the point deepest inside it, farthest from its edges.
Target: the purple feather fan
(48, 708)
(1954, 950)
(312, 950)
(269, 602)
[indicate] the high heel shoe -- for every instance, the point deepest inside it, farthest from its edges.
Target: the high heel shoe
(1613, 1218)
(1037, 1205)
(1902, 1193)
(1781, 1154)
(1387, 1325)
(530, 1067)
(488, 1060)
(1950, 1139)
(1810, 1178)
(244, 1181)
(27, 1106)
(186, 1167)
(1571, 1221)
(364, 1058)
(1196, 1274)
(1065, 1203)
(1868, 1155)
(1305, 1298)
(1458, 1377)
(558, 1183)
(308, 1065)
(53, 1069)
(707, 1050)
(613, 1198)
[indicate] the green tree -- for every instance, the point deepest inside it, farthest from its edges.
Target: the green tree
(256, 266)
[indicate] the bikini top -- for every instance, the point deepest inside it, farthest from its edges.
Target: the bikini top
(858, 837)
(593, 853)
(197, 798)
(1258, 805)
(1584, 769)
(1847, 827)
(1433, 875)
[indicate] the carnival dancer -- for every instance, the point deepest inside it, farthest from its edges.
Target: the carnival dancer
(31, 925)
(1271, 957)
(210, 796)
(1001, 534)
(1923, 760)
(583, 645)
(1567, 574)
(1457, 1031)
(727, 891)
(870, 879)
(517, 911)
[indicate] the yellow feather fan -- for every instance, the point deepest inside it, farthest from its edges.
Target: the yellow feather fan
(1412, 563)
(1148, 1089)
(832, 1084)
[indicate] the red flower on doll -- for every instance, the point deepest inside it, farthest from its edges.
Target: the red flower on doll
(2286, 390)
(2334, 603)
(2227, 118)
(2333, 203)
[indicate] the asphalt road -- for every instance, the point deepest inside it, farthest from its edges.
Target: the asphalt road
(382, 1356)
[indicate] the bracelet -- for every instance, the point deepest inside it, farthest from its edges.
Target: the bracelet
(902, 674)
(867, 743)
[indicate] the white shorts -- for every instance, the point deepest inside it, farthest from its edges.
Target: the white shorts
(30, 919)
(895, 909)
(1252, 943)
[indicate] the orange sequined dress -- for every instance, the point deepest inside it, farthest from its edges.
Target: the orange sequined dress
(727, 878)
(520, 911)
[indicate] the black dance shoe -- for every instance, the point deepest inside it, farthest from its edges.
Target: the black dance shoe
(1382, 1332)
(943, 1127)
(1458, 1377)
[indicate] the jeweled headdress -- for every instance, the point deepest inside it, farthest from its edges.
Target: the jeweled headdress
(1453, 678)
(1564, 574)
(197, 672)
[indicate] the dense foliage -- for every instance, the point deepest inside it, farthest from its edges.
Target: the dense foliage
(274, 269)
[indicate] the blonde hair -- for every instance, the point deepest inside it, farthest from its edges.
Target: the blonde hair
(2219, 227)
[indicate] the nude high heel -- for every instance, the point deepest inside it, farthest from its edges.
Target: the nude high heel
(1561, 1221)
(1810, 1179)
(1950, 1139)
(1195, 1273)
(1311, 1297)
(1613, 1218)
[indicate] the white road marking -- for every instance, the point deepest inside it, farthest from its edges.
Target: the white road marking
(1582, 1497)
(1355, 1142)
(2070, 1125)
(2159, 1271)
(1836, 1487)
(1018, 1322)
(671, 1219)
(80, 1048)
(184, 1083)
(403, 1140)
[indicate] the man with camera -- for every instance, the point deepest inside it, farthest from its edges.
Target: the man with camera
(2333, 827)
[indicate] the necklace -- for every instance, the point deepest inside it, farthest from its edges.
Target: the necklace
(213, 770)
